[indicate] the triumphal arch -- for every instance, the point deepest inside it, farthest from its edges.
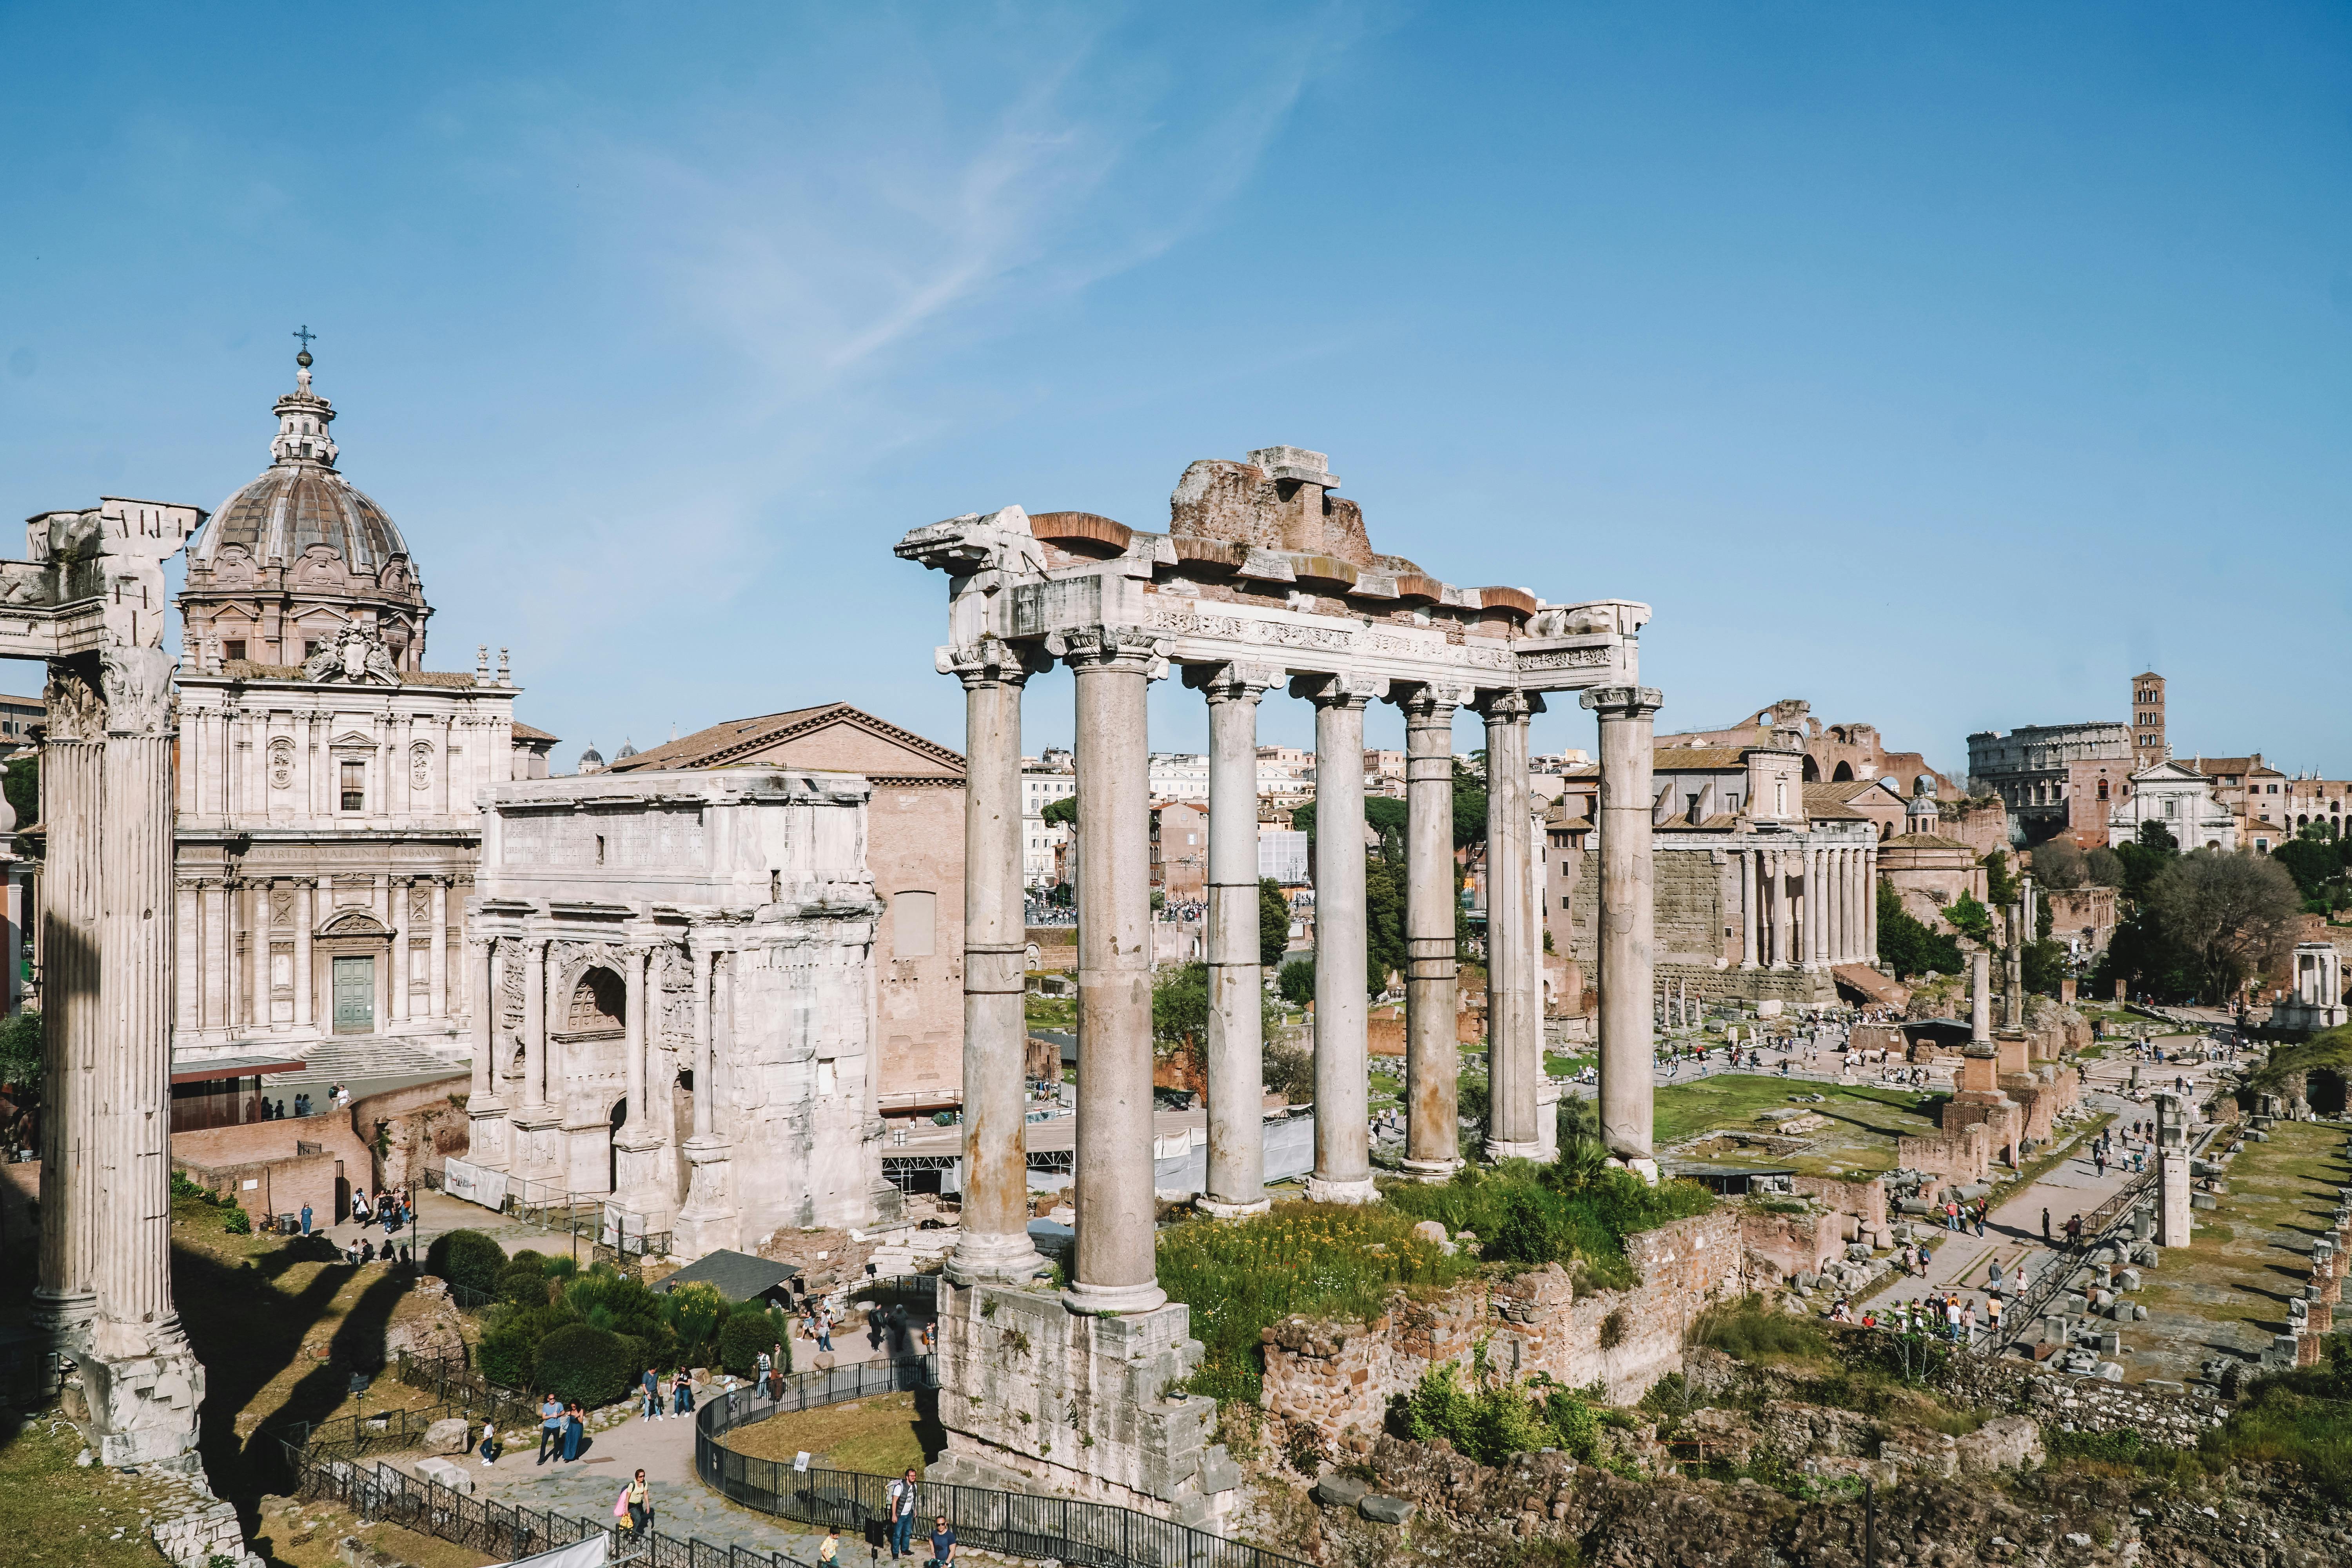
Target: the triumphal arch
(1265, 582)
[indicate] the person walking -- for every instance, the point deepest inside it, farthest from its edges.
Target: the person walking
(575, 1430)
(681, 1395)
(305, 1219)
(551, 1424)
(828, 1551)
(651, 1382)
(824, 1328)
(640, 1499)
(2075, 1233)
(901, 1498)
(490, 1448)
(2045, 1227)
(1983, 1205)
(943, 1544)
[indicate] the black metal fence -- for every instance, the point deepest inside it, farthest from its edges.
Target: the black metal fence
(1083, 1534)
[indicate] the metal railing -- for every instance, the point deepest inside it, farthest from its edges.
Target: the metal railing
(1082, 1534)
(2096, 1226)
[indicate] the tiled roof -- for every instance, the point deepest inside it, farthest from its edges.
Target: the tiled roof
(1924, 841)
(523, 732)
(730, 739)
(1694, 759)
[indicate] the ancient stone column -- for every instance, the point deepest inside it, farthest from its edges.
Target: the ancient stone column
(1749, 905)
(1628, 909)
(438, 958)
(1343, 1147)
(1980, 998)
(480, 953)
(707, 1220)
(1870, 904)
(534, 1025)
(105, 1288)
(994, 1244)
(1514, 986)
(1117, 1270)
(2173, 1222)
(1432, 1149)
(1236, 1183)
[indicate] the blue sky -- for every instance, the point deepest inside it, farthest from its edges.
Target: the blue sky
(1944, 365)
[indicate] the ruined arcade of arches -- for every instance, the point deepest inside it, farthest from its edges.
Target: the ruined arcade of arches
(1265, 583)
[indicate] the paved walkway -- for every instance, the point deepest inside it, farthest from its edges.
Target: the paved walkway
(2013, 1231)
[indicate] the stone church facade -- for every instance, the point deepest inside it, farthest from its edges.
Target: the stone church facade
(326, 830)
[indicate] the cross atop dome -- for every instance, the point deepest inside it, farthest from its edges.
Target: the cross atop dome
(303, 416)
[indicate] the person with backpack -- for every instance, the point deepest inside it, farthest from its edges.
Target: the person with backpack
(902, 1498)
(635, 1506)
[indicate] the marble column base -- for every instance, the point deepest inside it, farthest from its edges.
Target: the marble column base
(1645, 1168)
(1362, 1191)
(487, 1134)
(1094, 1300)
(708, 1220)
(1500, 1149)
(1432, 1170)
(982, 1259)
(1217, 1208)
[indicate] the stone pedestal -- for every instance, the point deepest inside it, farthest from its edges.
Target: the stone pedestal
(1035, 1398)
(2172, 1221)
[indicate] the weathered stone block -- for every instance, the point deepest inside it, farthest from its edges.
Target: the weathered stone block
(1335, 1491)
(1385, 1510)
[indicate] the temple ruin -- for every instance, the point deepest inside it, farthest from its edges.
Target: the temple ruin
(1265, 580)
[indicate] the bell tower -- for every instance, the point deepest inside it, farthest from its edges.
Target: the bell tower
(2149, 746)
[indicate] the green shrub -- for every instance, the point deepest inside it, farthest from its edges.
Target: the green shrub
(467, 1257)
(1494, 1418)
(589, 1365)
(521, 1284)
(605, 1298)
(1332, 1261)
(749, 1329)
(1296, 981)
(507, 1352)
(1574, 1211)
(237, 1221)
(695, 1311)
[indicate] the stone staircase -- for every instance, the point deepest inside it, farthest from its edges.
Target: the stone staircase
(357, 1058)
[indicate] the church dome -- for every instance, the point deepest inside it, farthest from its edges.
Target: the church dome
(299, 555)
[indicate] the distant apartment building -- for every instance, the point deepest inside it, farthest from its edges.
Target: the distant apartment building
(1281, 854)
(1179, 851)
(1178, 775)
(1044, 780)
(18, 717)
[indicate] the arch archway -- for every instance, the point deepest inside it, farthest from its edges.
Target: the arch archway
(1812, 773)
(1843, 774)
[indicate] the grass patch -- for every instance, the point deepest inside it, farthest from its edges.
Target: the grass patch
(884, 1436)
(1493, 1418)
(2330, 1051)
(1315, 1260)
(55, 1514)
(1747, 1330)
(1572, 1212)
(1867, 1119)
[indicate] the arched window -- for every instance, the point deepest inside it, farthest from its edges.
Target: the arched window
(1844, 774)
(598, 1005)
(2103, 789)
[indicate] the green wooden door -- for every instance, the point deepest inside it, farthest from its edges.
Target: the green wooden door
(355, 995)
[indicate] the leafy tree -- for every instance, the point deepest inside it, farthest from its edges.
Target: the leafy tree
(20, 1049)
(2146, 959)
(1288, 1070)
(2154, 835)
(1970, 919)
(2232, 915)
(1063, 811)
(1061, 895)
(2311, 861)
(1179, 1006)
(1905, 945)
(1296, 980)
(2142, 864)
(1272, 923)
(2000, 888)
(2044, 963)
(22, 783)
(1469, 802)
(1384, 946)
(2102, 867)
(2060, 863)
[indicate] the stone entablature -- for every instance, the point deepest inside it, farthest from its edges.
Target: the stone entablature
(684, 962)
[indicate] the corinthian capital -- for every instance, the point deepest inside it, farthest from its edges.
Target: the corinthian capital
(1338, 691)
(1426, 701)
(1232, 682)
(1113, 648)
(1508, 706)
(991, 661)
(1623, 702)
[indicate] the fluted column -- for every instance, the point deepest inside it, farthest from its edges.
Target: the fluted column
(1433, 1138)
(479, 953)
(1514, 984)
(1870, 904)
(105, 1286)
(633, 1041)
(1343, 1141)
(1628, 913)
(396, 892)
(707, 1219)
(1115, 1267)
(1236, 1183)
(436, 973)
(994, 1244)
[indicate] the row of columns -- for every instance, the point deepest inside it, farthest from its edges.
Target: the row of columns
(1807, 906)
(1114, 1264)
(216, 913)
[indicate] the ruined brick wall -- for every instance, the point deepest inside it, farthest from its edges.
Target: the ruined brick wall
(272, 1143)
(1339, 1378)
(274, 1186)
(1959, 1157)
(1787, 1245)
(1866, 1200)
(1691, 918)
